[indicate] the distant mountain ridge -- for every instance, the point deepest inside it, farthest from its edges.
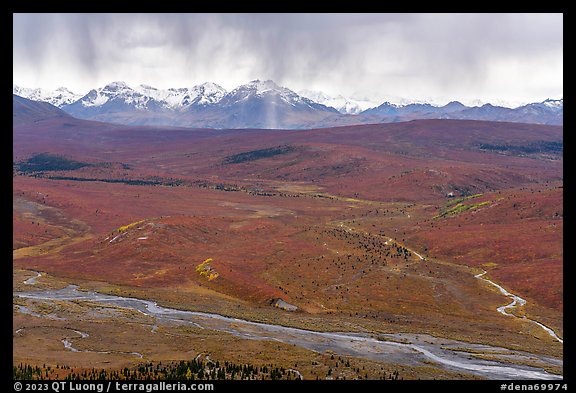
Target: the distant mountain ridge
(264, 104)
(59, 97)
(344, 105)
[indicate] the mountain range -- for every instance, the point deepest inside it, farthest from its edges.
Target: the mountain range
(344, 105)
(264, 104)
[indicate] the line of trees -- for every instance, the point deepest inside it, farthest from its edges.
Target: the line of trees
(183, 370)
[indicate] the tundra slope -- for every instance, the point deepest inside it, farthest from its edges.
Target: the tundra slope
(271, 209)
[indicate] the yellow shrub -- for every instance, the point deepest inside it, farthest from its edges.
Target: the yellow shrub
(204, 269)
(125, 227)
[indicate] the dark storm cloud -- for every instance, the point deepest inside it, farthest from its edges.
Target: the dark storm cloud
(38, 37)
(278, 40)
(353, 52)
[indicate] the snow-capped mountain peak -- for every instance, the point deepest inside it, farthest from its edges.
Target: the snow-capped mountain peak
(59, 97)
(94, 98)
(209, 93)
(265, 90)
(258, 87)
(342, 104)
(554, 104)
(116, 86)
(151, 92)
(181, 98)
(117, 95)
(267, 86)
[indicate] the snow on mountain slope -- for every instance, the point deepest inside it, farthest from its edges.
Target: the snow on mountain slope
(178, 98)
(145, 97)
(208, 93)
(116, 92)
(340, 103)
(555, 105)
(59, 97)
(264, 104)
(265, 89)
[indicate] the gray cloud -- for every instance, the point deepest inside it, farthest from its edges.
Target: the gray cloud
(410, 55)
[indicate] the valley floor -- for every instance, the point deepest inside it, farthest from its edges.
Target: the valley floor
(385, 251)
(403, 307)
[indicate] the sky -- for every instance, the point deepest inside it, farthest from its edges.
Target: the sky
(499, 58)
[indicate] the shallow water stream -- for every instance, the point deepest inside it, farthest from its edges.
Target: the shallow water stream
(400, 348)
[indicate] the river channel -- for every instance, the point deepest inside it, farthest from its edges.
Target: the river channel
(400, 348)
